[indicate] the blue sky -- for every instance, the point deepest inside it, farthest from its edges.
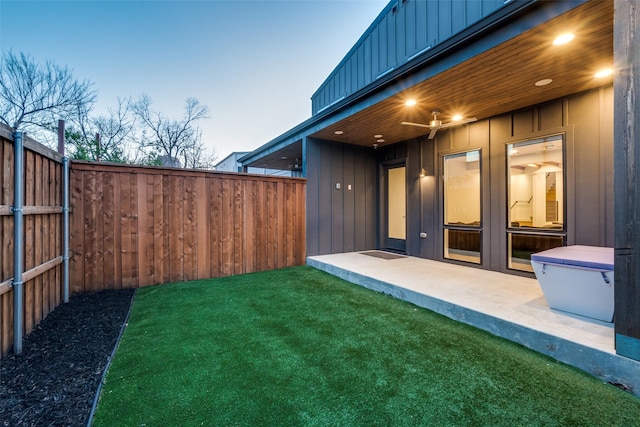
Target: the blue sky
(255, 63)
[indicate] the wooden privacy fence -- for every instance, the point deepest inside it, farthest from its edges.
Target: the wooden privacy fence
(42, 235)
(137, 226)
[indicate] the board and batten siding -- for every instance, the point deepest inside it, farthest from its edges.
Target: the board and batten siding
(344, 219)
(139, 226)
(402, 31)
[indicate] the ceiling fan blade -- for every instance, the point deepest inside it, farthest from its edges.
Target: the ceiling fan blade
(432, 133)
(458, 122)
(416, 124)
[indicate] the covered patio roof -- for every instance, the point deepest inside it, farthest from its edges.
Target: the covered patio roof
(483, 74)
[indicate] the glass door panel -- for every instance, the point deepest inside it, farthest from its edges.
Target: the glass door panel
(462, 207)
(397, 204)
(396, 210)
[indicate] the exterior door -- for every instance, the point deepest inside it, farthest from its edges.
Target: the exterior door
(396, 208)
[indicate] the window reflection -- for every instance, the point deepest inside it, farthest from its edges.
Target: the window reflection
(535, 199)
(462, 245)
(462, 208)
(462, 189)
(536, 184)
(521, 246)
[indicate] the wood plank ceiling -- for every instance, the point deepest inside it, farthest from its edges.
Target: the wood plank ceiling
(497, 81)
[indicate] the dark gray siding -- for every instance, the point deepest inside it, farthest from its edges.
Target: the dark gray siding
(340, 220)
(402, 30)
(421, 192)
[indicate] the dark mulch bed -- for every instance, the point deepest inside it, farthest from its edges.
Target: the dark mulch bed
(53, 382)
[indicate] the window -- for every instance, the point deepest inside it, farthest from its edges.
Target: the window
(536, 207)
(462, 212)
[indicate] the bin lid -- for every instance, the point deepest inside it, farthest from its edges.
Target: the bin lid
(578, 256)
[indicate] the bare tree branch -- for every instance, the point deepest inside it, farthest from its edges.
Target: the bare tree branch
(116, 133)
(178, 141)
(30, 93)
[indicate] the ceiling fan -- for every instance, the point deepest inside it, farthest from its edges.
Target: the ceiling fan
(436, 124)
(296, 167)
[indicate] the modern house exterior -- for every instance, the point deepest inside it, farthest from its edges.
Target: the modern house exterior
(468, 132)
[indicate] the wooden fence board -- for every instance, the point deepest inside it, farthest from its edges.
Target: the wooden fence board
(125, 214)
(135, 270)
(30, 240)
(117, 231)
(176, 234)
(145, 249)
(98, 245)
(90, 235)
(166, 230)
(203, 223)
(45, 199)
(238, 227)
(108, 236)
(159, 246)
(249, 203)
(76, 233)
(38, 253)
(215, 232)
(6, 331)
(227, 227)
(189, 225)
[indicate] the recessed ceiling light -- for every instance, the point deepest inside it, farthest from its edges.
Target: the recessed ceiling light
(377, 136)
(339, 132)
(456, 117)
(603, 73)
(410, 102)
(284, 157)
(543, 82)
(380, 140)
(563, 39)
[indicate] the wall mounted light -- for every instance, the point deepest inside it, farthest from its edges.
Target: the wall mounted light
(606, 72)
(423, 173)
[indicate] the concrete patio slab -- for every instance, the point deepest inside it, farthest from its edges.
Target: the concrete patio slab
(512, 307)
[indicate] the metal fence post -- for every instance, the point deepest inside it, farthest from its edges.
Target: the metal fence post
(65, 230)
(18, 242)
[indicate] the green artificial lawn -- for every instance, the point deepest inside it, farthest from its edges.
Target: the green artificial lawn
(298, 347)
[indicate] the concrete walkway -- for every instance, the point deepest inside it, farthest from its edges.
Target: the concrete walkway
(508, 306)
